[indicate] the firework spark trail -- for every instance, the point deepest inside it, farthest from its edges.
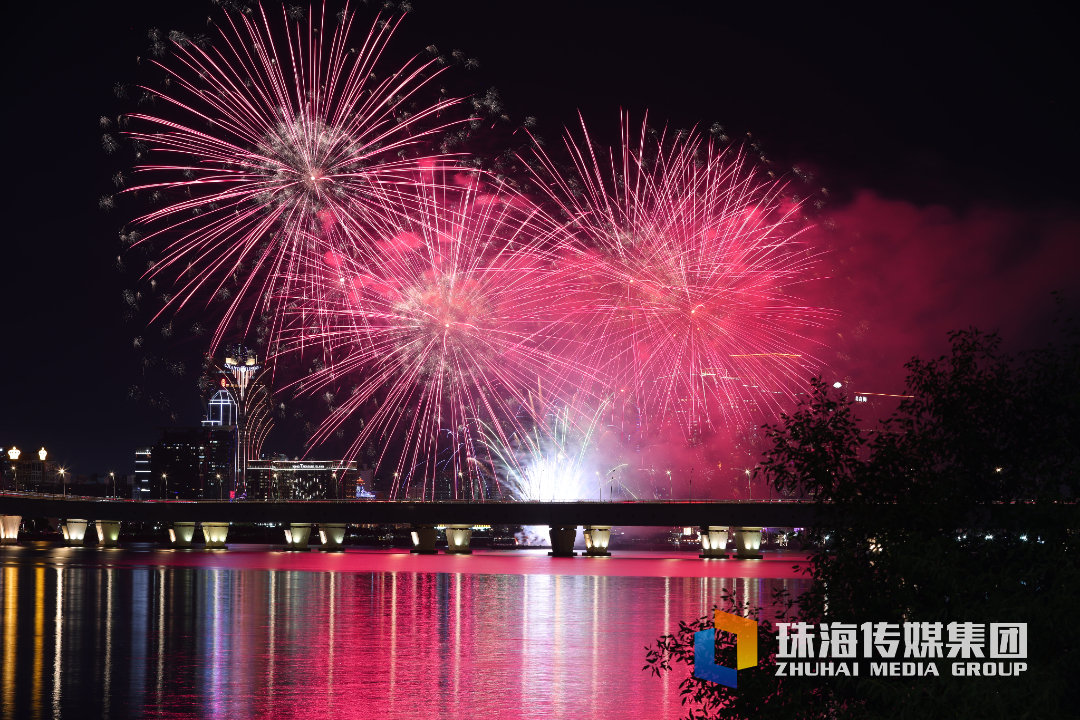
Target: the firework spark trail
(679, 266)
(444, 323)
(278, 131)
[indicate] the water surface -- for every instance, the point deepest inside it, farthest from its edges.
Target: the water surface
(252, 633)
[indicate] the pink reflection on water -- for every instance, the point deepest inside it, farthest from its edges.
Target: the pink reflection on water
(516, 562)
(251, 633)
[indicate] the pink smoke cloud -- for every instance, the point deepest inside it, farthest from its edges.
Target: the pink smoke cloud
(906, 275)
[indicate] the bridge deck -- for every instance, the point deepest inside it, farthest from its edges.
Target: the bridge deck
(639, 513)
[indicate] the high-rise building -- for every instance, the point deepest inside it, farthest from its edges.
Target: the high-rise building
(192, 463)
(141, 489)
(241, 402)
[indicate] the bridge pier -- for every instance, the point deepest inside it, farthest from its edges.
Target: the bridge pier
(181, 533)
(748, 543)
(215, 534)
(562, 540)
(74, 531)
(597, 538)
(108, 531)
(713, 541)
(423, 539)
(296, 536)
(457, 539)
(9, 529)
(331, 535)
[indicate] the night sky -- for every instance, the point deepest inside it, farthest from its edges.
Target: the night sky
(947, 139)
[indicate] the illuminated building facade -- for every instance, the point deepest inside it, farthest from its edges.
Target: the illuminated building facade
(281, 479)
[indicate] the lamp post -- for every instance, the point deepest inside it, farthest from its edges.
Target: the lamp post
(42, 454)
(13, 456)
(221, 492)
(165, 480)
(63, 480)
(112, 476)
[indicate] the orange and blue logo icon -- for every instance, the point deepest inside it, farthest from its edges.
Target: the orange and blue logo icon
(745, 631)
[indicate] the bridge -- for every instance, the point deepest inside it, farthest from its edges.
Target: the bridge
(714, 518)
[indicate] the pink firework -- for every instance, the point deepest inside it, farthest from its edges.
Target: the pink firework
(441, 328)
(263, 140)
(681, 264)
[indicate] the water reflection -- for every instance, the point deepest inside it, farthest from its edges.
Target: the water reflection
(137, 634)
(11, 609)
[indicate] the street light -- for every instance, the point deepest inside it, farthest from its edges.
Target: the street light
(165, 479)
(63, 480)
(112, 476)
(13, 456)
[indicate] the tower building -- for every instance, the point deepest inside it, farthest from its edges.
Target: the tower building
(240, 401)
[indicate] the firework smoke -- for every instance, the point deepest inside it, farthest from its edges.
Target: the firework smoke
(558, 458)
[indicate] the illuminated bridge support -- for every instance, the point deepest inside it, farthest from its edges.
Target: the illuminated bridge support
(331, 535)
(74, 531)
(748, 543)
(562, 540)
(108, 532)
(215, 534)
(457, 539)
(9, 529)
(597, 538)
(423, 539)
(296, 536)
(181, 533)
(713, 541)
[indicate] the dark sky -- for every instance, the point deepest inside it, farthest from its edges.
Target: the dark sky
(947, 139)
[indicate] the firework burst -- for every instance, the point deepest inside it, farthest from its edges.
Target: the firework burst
(443, 324)
(261, 140)
(680, 263)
